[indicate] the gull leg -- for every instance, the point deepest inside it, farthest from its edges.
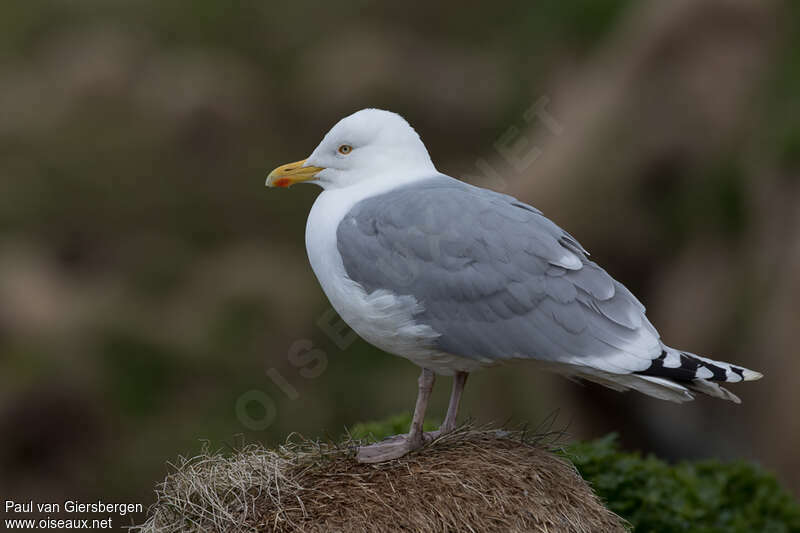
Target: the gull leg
(399, 445)
(449, 424)
(415, 435)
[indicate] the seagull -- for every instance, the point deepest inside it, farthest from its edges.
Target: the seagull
(455, 278)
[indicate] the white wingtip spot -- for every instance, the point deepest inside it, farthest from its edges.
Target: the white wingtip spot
(673, 359)
(732, 377)
(703, 373)
(751, 375)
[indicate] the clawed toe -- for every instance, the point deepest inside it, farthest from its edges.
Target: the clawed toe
(383, 451)
(388, 449)
(394, 447)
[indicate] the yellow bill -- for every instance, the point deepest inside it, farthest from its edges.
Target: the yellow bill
(291, 173)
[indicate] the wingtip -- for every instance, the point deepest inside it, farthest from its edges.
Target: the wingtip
(751, 375)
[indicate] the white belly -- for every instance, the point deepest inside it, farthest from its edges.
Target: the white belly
(382, 318)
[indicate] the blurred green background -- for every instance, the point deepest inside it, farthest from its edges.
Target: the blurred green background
(152, 290)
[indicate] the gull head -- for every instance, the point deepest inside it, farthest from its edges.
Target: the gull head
(370, 144)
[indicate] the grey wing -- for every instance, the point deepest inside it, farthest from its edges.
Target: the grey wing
(495, 278)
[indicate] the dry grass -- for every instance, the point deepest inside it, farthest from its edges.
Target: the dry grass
(472, 480)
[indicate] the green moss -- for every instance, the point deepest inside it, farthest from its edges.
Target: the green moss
(701, 497)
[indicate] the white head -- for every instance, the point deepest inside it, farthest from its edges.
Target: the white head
(368, 145)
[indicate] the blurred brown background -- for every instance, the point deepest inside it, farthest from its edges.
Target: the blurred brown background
(151, 288)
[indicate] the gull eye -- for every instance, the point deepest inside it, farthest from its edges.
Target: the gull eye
(345, 149)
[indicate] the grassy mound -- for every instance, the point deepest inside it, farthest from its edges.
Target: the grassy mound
(654, 496)
(471, 480)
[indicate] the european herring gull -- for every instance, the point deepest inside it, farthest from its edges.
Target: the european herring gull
(455, 278)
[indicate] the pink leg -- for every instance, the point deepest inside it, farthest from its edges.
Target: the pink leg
(425, 381)
(459, 380)
(399, 445)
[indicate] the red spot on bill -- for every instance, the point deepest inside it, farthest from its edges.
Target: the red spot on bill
(282, 182)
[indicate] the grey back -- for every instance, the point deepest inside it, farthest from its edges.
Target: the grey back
(496, 278)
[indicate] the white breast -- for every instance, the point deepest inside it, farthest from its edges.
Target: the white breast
(381, 317)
